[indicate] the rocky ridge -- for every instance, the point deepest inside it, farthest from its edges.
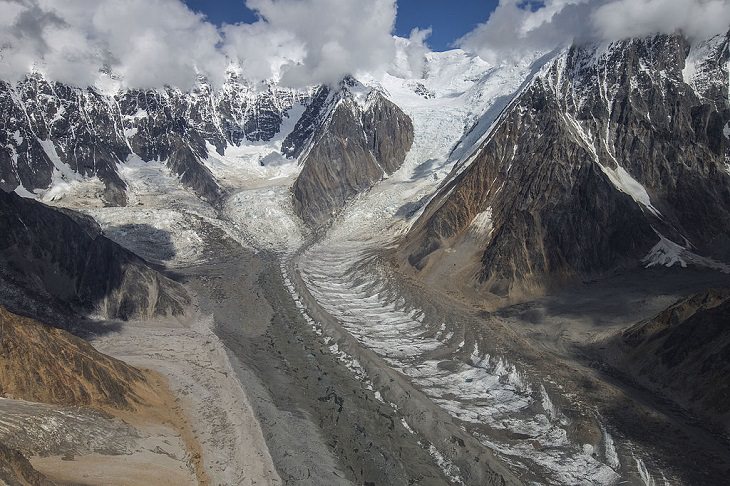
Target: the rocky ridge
(609, 149)
(359, 136)
(40, 363)
(53, 133)
(57, 265)
(681, 354)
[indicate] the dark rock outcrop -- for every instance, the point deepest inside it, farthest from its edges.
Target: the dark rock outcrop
(16, 470)
(683, 354)
(351, 150)
(308, 124)
(605, 148)
(57, 263)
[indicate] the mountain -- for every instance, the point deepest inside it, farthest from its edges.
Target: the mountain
(610, 153)
(16, 470)
(56, 265)
(359, 136)
(53, 133)
(44, 364)
(40, 363)
(683, 354)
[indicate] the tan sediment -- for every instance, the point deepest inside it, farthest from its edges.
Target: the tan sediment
(164, 408)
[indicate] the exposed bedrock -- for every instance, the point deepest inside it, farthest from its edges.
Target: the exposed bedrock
(51, 132)
(57, 263)
(683, 354)
(608, 148)
(355, 147)
(40, 363)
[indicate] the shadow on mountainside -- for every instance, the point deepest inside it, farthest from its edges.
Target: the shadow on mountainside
(57, 266)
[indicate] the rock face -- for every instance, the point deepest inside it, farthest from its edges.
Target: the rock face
(16, 470)
(608, 148)
(683, 354)
(58, 263)
(52, 132)
(350, 149)
(40, 363)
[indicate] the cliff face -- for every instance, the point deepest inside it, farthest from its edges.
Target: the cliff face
(57, 262)
(608, 148)
(353, 147)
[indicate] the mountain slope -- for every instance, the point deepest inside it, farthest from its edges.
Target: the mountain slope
(354, 146)
(56, 263)
(608, 149)
(16, 470)
(682, 353)
(53, 134)
(43, 364)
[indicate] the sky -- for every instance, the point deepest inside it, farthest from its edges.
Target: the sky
(154, 43)
(449, 20)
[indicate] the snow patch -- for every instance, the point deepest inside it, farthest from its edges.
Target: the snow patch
(609, 450)
(623, 181)
(481, 226)
(668, 253)
(450, 469)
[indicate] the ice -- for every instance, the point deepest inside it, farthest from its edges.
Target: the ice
(481, 225)
(450, 470)
(610, 450)
(623, 181)
(668, 254)
(665, 253)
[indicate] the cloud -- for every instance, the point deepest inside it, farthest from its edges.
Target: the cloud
(630, 18)
(336, 37)
(519, 26)
(148, 43)
(410, 58)
(152, 43)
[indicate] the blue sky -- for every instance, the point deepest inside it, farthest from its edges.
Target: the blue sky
(449, 19)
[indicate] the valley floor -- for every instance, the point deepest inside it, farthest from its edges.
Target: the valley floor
(314, 361)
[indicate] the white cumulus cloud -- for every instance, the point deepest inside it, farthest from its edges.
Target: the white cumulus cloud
(151, 43)
(697, 19)
(517, 26)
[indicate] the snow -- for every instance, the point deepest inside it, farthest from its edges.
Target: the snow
(139, 114)
(623, 181)
(665, 253)
(467, 95)
(668, 254)
(697, 72)
(23, 192)
(266, 216)
(610, 450)
(481, 226)
(63, 171)
(17, 137)
(619, 177)
(450, 470)
(484, 390)
(644, 474)
(255, 161)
